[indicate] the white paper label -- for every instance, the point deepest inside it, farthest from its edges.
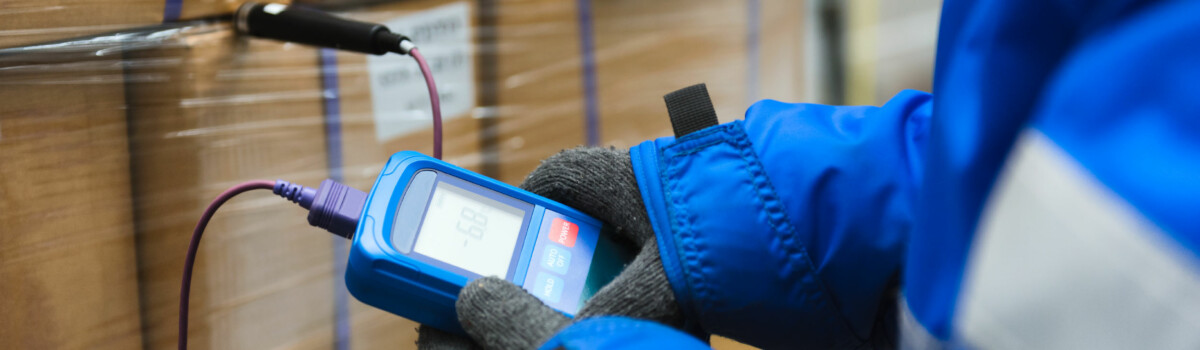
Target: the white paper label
(398, 92)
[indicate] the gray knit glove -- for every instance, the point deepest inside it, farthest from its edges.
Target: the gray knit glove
(498, 314)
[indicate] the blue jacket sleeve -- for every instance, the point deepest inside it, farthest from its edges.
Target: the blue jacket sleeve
(788, 228)
(621, 333)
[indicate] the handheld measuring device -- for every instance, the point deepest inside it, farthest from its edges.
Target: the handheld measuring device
(429, 227)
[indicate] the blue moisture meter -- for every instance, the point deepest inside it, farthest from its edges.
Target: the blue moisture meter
(429, 227)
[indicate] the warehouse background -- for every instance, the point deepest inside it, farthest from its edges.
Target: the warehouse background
(121, 119)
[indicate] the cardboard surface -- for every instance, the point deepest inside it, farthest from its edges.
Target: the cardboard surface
(68, 277)
(208, 110)
(646, 49)
(528, 91)
(538, 87)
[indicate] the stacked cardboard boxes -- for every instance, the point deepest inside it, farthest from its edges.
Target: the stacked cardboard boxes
(68, 273)
(208, 110)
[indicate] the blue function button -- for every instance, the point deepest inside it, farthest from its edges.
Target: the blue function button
(548, 287)
(556, 258)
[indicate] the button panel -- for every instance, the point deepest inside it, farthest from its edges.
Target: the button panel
(561, 260)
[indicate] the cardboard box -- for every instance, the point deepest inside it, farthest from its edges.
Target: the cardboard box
(208, 110)
(538, 101)
(525, 79)
(68, 276)
(28, 22)
(646, 49)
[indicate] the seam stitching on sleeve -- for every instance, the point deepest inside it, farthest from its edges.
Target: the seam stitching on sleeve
(797, 260)
(693, 249)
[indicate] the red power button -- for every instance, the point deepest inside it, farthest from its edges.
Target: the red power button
(563, 232)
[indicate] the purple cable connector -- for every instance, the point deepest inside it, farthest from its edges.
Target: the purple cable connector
(293, 192)
(332, 206)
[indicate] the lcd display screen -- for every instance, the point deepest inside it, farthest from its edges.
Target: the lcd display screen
(469, 230)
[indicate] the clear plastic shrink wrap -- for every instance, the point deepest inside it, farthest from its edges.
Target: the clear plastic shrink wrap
(111, 144)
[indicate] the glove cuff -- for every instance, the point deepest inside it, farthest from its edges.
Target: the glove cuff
(727, 248)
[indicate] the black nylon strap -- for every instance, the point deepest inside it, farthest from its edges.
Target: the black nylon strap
(691, 109)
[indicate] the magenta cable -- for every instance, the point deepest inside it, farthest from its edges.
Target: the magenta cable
(185, 289)
(434, 102)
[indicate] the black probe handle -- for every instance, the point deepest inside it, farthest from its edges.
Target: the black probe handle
(313, 27)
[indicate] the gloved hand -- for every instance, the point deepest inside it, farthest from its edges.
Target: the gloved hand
(498, 314)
